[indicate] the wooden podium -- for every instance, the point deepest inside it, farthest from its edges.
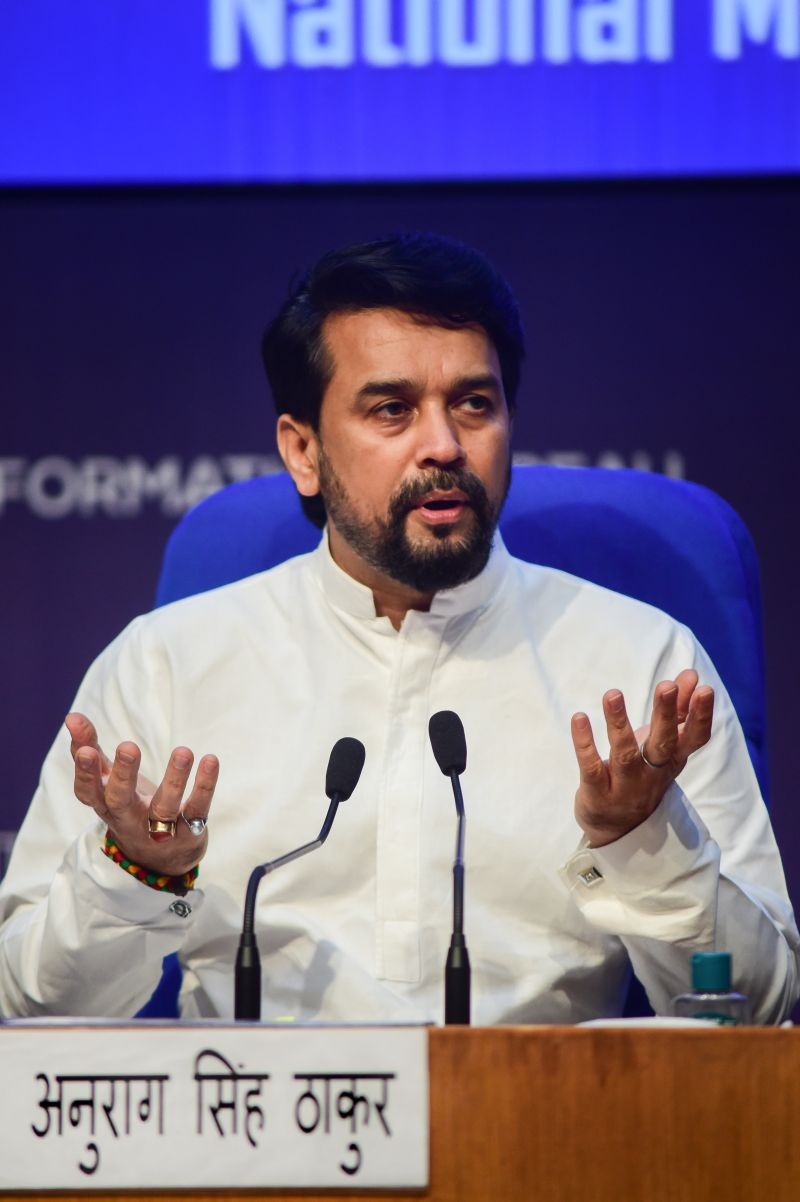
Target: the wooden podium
(558, 1114)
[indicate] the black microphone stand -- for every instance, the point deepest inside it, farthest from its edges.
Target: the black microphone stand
(344, 769)
(247, 978)
(457, 975)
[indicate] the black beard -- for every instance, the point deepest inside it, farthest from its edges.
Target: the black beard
(384, 544)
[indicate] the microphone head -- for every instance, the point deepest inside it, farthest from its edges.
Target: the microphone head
(344, 768)
(448, 742)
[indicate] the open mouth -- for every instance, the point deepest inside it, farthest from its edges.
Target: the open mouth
(442, 504)
(440, 507)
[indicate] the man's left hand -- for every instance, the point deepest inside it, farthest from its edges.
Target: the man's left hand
(617, 794)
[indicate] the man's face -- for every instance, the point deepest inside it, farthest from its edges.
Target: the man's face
(413, 449)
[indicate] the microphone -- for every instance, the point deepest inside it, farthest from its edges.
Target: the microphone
(450, 749)
(344, 769)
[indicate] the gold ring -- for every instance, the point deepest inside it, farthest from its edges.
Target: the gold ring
(155, 826)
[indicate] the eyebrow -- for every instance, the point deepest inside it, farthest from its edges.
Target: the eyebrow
(404, 384)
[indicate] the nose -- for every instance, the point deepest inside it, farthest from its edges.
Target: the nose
(438, 443)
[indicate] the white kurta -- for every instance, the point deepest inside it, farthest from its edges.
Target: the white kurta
(267, 673)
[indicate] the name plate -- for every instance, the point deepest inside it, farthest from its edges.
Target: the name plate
(212, 1106)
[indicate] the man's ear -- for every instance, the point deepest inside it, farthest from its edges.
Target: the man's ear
(298, 446)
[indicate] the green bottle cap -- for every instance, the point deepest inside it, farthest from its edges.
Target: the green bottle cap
(711, 972)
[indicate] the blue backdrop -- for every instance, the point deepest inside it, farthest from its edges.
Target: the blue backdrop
(291, 90)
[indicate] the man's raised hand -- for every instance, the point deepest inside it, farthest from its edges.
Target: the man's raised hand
(129, 802)
(617, 794)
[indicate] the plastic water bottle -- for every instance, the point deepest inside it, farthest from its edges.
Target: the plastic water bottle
(711, 996)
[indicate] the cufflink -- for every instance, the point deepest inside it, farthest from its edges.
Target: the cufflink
(590, 876)
(181, 908)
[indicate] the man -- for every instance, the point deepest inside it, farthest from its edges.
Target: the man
(394, 368)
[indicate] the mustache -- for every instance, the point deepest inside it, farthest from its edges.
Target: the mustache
(409, 494)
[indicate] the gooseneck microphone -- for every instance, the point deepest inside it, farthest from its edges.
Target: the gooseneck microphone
(344, 769)
(450, 749)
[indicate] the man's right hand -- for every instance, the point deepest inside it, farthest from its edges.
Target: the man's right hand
(126, 801)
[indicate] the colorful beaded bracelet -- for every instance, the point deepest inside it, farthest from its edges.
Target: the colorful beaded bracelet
(167, 884)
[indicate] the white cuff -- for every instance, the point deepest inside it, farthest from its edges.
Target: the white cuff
(659, 881)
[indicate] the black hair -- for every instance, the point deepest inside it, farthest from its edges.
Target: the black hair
(436, 279)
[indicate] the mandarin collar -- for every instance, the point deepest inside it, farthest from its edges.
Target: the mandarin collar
(355, 598)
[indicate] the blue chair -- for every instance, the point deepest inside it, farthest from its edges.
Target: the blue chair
(673, 544)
